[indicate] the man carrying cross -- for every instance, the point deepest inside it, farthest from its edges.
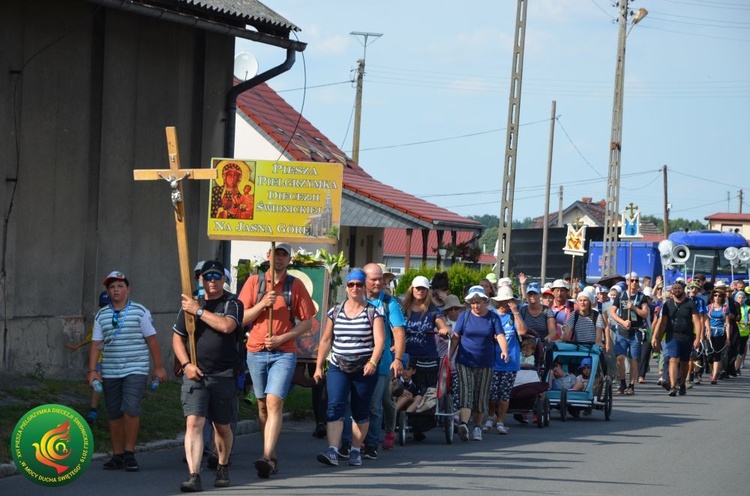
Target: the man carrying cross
(277, 319)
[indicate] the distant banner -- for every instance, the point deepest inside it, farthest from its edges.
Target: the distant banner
(275, 201)
(574, 241)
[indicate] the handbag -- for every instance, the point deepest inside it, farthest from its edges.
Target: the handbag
(352, 364)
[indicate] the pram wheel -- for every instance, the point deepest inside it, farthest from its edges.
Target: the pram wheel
(401, 428)
(607, 399)
(450, 428)
(539, 412)
(563, 405)
(547, 411)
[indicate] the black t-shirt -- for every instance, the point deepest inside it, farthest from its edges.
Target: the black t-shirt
(679, 319)
(218, 353)
(636, 321)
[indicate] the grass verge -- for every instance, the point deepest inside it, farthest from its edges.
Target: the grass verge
(161, 409)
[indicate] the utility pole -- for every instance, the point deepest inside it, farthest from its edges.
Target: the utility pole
(559, 207)
(666, 202)
(358, 98)
(740, 201)
(612, 211)
(729, 198)
(545, 228)
(511, 143)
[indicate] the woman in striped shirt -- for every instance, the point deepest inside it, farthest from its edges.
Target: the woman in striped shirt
(352, 342)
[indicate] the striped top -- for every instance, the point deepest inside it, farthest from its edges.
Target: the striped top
(123, 340)
(353, 336)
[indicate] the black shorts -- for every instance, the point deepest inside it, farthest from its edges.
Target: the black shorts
(210, 397)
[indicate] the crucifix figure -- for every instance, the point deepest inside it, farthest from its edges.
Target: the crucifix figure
(174, 176)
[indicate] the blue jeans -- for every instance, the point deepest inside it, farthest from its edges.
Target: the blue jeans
(376, 415)
(344, 389)
(271, 372)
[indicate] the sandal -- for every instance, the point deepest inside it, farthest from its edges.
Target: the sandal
(275, 463)
(264, 468)
(630, 391)
(641, 380)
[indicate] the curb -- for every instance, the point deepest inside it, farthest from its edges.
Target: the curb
(244, 427)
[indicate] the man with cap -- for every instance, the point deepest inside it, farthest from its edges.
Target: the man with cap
(124, 334)
(208, 387)
(561, 306)
(629, 313)
(681, 324)
(271, 356)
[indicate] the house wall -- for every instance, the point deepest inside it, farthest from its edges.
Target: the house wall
(720, 225)
(91, 104)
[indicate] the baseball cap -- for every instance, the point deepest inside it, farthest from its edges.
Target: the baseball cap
(115, 275)
(492, 277)
(602, 289)
(547, 291)
(504, 281)
(420, 282)
(648, 292)
(632, 275)
(212, 266)
(286, 247)
(586, 361)
(533, 288)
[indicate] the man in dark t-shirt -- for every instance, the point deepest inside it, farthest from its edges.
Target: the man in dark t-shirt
(629, 313)
(208, 385)
(680, 323)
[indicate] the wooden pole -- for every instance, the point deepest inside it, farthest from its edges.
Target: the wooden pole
(272, 270)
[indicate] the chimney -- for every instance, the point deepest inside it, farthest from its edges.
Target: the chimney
(586, 199)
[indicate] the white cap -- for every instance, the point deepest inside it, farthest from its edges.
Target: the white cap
(504, 281)
(476, 292)
(420, 282)
(647, 291)
(561, 284)
(632, 275)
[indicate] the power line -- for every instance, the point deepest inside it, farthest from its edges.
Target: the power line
(316, 86)
(644, 26)
(576, 147)
(705, 179)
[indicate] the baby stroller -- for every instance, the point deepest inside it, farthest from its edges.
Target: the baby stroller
(528, 393)
(598, 392)
(439, 416)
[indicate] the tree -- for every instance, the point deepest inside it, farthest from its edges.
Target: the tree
(679, 224)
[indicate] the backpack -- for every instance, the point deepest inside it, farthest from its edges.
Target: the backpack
(369, 308)
(287, 292)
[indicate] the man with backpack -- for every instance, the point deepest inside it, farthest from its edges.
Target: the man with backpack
(271, 357)
(629, 312)
(681, 323)
(208, 383)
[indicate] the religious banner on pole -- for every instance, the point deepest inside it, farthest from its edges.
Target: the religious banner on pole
(275, 201)
(630, 227)
(575, 240)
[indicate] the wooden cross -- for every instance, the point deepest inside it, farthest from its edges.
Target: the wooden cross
(174, 175)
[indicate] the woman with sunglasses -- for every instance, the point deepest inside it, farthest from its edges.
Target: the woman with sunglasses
(422, 318)
(354, 336)
(718, 329)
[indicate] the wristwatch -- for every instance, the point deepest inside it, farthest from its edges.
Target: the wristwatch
(199, 313)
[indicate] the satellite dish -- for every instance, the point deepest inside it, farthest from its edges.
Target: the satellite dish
(245, 66)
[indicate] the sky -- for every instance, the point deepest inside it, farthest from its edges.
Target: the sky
(437, 86)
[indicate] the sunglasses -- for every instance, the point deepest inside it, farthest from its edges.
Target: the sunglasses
(354, 285)
(212, 276)
(634, 280)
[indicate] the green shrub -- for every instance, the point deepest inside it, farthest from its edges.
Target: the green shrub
(459, 276)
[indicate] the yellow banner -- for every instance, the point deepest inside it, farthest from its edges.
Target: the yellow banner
(275, 201)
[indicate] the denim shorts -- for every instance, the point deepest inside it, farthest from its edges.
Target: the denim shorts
(630, 347)
(124, 395)
(271, 372)
(678, 348)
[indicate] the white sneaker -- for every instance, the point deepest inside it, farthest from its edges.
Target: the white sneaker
(500, 428)
(477, 435)
(488, 425)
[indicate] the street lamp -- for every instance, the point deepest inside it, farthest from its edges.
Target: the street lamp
(612, 211)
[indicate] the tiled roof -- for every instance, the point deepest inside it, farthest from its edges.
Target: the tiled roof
(278, 120)
(251, 11)
(595, 210)
(732, 217)
(394, 242)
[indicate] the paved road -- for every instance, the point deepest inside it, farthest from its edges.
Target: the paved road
(654, 444)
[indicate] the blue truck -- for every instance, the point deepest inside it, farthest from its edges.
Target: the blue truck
(684, 254)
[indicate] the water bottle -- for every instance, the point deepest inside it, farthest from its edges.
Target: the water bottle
(97, 385)
(154, 384)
